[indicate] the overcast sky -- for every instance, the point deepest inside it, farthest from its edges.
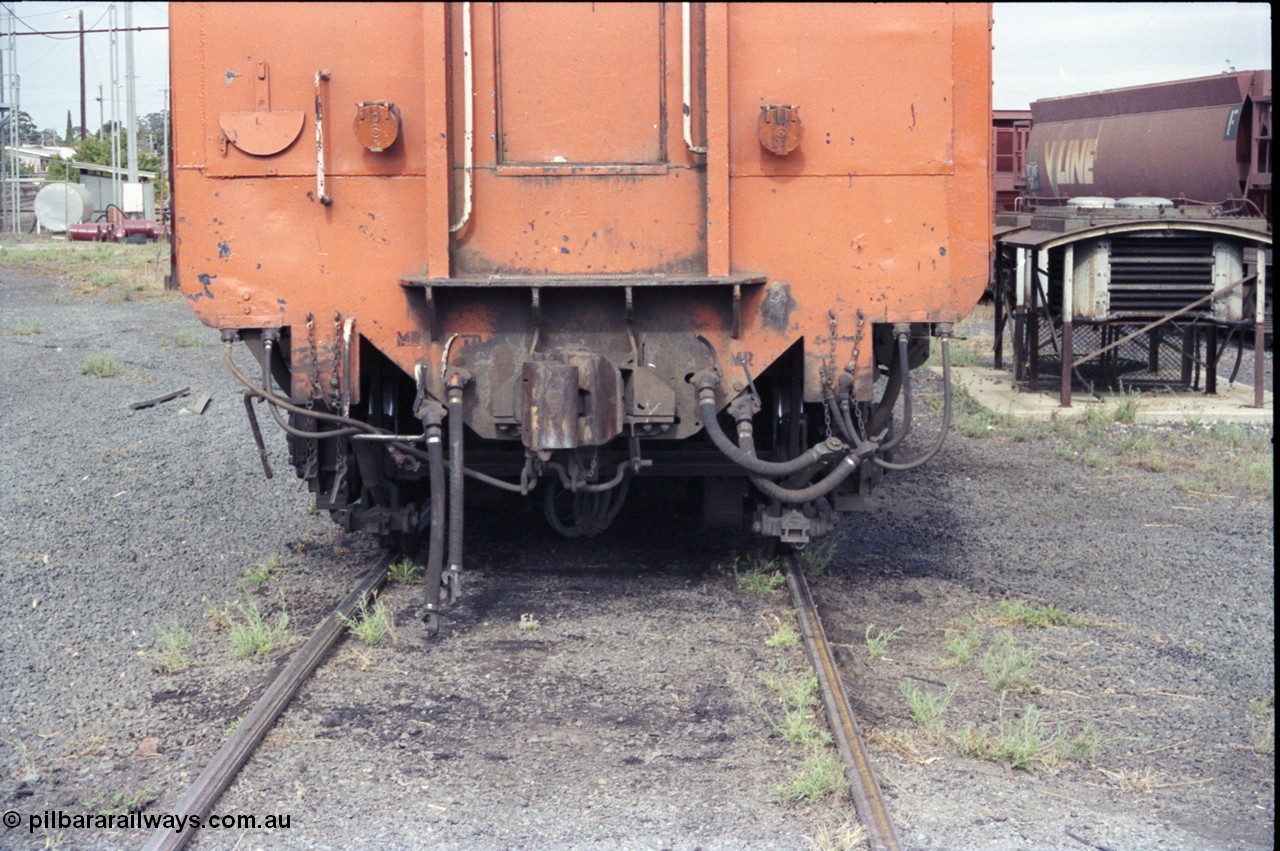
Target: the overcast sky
(1041, 50)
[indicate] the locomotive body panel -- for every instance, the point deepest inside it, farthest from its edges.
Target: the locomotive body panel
(585, 227)
(873, 212)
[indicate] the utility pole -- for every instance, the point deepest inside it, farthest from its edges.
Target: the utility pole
(84, 129)
(168, 176)
(100, 118)
(131, 111)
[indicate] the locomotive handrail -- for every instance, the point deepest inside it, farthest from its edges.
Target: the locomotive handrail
(687, 63)
(322, 76)
(468, 119)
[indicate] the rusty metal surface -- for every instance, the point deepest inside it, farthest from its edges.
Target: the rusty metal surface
(780, 129)
(581, 172)
(377, 125)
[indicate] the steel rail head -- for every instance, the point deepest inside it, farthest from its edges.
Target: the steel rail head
(868, 800)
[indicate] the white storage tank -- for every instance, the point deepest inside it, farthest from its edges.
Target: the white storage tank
(59, 205)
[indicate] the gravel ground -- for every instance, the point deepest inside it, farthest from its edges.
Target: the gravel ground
(634, 715)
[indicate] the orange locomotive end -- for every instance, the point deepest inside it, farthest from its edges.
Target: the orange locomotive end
(577, 237)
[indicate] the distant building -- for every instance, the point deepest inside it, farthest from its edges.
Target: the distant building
(36, 157)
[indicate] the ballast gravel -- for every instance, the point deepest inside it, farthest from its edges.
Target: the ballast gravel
(603, 693)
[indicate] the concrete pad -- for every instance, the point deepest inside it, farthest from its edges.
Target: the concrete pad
(995, 390)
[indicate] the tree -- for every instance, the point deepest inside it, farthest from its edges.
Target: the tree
(70, 138)
(60, 169)
(28, 134)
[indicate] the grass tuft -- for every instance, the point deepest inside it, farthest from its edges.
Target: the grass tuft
(844, 836)
(405, 571)
(370, 625)
(815, 558)
(254, 636)
(27, 329)
(759, 575)
(174, 644)
(878, 644)
(960, 647)
(122, 803)
(1262, 712)
(927, 708)
(262, 572)
(822, 775)
(1021, 743)
(1019, 614)
(1008, 664)
(785, 636)
(99, 366)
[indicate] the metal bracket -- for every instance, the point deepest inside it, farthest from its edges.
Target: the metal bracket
(433, 324)
(736, 333)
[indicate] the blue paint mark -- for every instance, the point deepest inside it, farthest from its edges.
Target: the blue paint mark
(205, 281)
(224, 250)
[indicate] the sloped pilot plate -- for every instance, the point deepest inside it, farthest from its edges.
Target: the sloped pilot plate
(262, 133)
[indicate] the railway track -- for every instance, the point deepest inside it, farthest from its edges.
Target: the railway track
(231, 757)
(865, 789)
(204, 793)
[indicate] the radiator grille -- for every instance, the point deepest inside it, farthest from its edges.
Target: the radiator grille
(1152, 277)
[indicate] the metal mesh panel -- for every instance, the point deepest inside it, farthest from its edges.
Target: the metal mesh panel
(1172, 356)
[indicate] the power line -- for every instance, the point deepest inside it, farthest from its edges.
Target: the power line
(34, 31)
(71, 34)
(76, 33)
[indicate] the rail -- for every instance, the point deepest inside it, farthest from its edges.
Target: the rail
(232, 756)
(867, 797)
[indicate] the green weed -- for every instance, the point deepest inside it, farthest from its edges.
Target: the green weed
(1262, 713)
(823, 775)
(1021, 743)
(370, 625)
(784, 636)
(262, 572)
(122, 802)
(815, 558)
(927, 708)
(759, 575)
(878, 644)
(1086, 745)
(188, 339)
(254, 636)
(1007, 664)
(405, 571)
(27, 329)
(99, 366)
(960, 647)
(174, 644)
(798, 695)
(1012, 613)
